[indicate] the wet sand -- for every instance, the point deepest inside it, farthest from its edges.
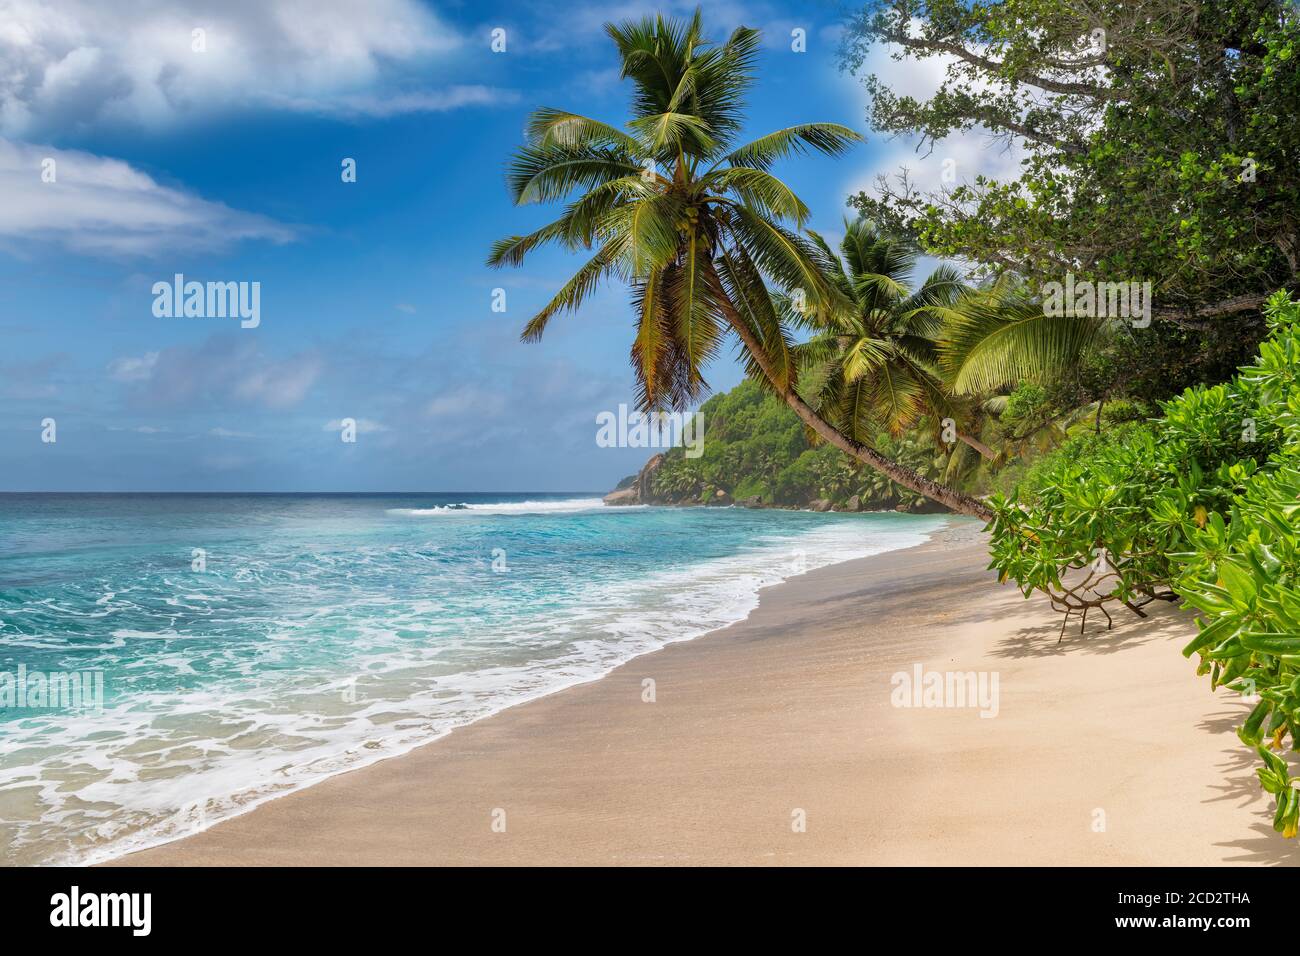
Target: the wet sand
(775, 741)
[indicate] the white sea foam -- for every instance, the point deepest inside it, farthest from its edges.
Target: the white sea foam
(226, 750)
(506, 508)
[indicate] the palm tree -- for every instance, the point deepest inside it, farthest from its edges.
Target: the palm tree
(1000, 335)
(689, 220)
(873, 365)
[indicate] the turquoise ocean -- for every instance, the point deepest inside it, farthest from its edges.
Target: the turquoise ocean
(249, 645)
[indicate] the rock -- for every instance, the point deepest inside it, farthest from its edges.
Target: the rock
(753, 501)
(645, 480)
(821, 504)
(639, 492)
(720, 497)
(853, 504)
(623, 496)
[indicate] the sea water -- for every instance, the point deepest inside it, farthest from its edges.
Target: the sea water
(248, 645)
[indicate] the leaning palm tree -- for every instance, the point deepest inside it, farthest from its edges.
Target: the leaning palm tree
(692, 222)
(873, 365)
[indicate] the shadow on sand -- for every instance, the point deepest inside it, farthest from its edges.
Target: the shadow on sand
(1238, 782)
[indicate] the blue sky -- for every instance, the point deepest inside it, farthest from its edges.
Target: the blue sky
(224, 164)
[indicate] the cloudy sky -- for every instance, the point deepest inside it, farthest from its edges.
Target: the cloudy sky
(223, 164)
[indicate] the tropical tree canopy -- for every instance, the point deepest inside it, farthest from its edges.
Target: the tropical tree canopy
(873, 364)
(1156, 138)
(691, 219)
(674, 206)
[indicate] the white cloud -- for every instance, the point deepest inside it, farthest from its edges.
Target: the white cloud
(74, 63)
(220, 432)
(140, 429)
(396, 104)
(279, 384)
(224, 369)
(970, 154)
(465, 401)
(973, 153)
(104, 206)
(133, 369)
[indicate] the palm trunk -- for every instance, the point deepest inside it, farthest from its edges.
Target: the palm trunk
(984, 450)
(950, 498)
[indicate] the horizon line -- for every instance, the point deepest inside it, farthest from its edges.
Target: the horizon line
(530, 492)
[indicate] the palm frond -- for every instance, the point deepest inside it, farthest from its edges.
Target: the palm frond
(995, 341)
(546, 173)
(759, 189)
(650, 228)
(511, 250)
(668, 132)
(695, 310)
(552, 127)
(781, 254)
(742, 284)
(831, 139)
(653, 343)
(572, 293)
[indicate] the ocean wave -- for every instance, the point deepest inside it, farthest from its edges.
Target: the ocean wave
(505, 508)
(309, 678)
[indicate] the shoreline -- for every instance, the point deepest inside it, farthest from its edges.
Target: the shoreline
(356, 760)
(786, 716)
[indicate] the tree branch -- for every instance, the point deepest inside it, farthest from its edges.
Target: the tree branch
(994, 66)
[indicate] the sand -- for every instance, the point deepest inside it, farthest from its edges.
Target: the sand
(775, 741)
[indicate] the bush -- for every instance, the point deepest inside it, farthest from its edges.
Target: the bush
(1121, 410)
(1086, 444)
(1201, 503)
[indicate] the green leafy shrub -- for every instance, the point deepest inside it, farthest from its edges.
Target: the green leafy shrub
(1027, 408)
(1120, 410)
(1084, 445)
(1201, 503)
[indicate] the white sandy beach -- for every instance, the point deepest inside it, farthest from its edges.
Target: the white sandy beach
(1106, 749)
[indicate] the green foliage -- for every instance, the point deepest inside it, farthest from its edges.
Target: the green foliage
(754, 445)
(1204, 501)
(749, 437)
(1025, 408)
(674, 206)
(872, 365)
(1243, 576)
(1164, 152)
(1122, 410)
(1044, 471)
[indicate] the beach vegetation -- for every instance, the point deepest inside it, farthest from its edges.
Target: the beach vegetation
(1155, 142)
(1200, 505)
(757, 452)
(693, 221)
(874, 365)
